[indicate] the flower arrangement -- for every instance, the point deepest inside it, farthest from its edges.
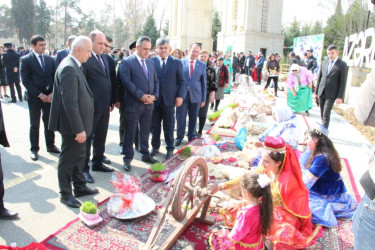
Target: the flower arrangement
(89, 214)
(158, 172)
(184, 152)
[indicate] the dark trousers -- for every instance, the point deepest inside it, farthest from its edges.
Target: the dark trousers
(97, 139)
(275, 80)
(163, 114)
(13, 93)
(35, 108)
(259, 74)
(70, 165)
(234, 73)
(181, 112)
(248, 71)
(1, 188)
(122, 124)
(326, 106)
(143, 119)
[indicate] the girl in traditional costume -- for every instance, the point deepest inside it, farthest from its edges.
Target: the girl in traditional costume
(321, 168)
(253, 219)
(292, 227)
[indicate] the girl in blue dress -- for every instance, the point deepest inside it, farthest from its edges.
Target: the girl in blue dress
(321, 167)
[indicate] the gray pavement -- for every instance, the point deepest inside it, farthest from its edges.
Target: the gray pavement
(31, 188)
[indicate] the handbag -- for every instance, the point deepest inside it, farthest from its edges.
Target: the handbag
(364, 107)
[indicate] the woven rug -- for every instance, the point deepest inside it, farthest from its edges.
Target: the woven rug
(132, 234)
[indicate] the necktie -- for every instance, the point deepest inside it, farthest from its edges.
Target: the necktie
(191, 68)
(43, 64)
(101, 63)
(144, 68)
(330, 66)
(162, 67)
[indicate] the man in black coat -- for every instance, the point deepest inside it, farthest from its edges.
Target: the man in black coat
(249, 63)
(72, 114)
(331, 83)
(235, 63)
(61, 54)
(4, 213)
(11, 62)
(37, 73)
(311, 61)
(98, 76)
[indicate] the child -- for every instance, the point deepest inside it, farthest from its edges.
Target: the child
(253, 218)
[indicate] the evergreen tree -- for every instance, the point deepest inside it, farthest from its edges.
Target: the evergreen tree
(166, 28)
(150, 30)
(216, 27)
(317, 28)
(6, 22)
(70, 10)
(23, 12)
(43, 18)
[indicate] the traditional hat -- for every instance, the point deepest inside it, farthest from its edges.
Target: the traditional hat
(320, 129)
(294, 67)
(8, 45)
(274, 144)
(132, 45)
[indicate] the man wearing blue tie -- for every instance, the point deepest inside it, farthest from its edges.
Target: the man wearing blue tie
(171, 91)
(195, 93)
(138, 76)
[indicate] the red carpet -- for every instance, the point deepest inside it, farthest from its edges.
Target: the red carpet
(132, 234)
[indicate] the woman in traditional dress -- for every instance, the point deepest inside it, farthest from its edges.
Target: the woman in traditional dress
(299, 85)
(291, 227)
(228, 63)
(222, 78)
(211, 89)
(321, 168)
(287, 126)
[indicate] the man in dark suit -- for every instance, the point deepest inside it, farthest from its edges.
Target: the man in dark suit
(61, 54)
(97, 73)
(72, 114)
(37, 73)
(4, 213)
(171, 91)
(331, 83)
(138, 76)
(11, 62)
(249, 63)
(195, 93)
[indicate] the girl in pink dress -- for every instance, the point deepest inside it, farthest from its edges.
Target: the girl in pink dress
(253, 218)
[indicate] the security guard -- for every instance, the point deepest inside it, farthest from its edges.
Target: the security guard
(11, 62)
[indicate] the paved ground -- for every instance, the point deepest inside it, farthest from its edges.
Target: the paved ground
(32, 188)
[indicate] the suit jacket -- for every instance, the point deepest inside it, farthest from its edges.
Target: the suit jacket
(61, 54)
(136, 84)
(251, 61)
(333, 84)
(112, 74)
(99, 82)
(34, 79)
(197, 83)
(72, 109)
(3, 135)
(171, 80)
(11, 60)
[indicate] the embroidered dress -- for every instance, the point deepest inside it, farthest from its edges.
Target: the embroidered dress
(303, 100)
(245, 234)
(328, 198)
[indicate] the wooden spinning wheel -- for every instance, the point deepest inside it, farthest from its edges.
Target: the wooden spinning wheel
(188, 195)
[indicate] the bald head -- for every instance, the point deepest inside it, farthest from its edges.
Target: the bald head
(81, 48)
(98, 40)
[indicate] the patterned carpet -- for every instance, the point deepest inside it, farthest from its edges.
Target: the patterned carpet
(132, 234)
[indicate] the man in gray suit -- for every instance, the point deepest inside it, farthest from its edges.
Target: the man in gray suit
(331, 83)
(72, 114)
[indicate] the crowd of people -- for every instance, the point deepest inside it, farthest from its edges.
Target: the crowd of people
(76, 90)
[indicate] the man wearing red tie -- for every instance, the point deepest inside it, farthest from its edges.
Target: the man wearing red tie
(195, 94)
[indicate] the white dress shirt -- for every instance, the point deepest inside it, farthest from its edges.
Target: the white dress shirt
(140, 61)
(194, 62)
(161, 61)
(40, 62)
(75, 59)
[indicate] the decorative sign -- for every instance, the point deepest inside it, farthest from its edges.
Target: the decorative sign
(359, 49)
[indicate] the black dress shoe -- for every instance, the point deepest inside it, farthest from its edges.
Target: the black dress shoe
(85, 191)
(307, 113)
(88, 177)
(169, 154)
(106, 160)
(127, 167)
(54, 149)
(12, 101)
(102, 168)
(149, 159)
(199, 135)
(34, 156)
(177, 143)
(70, 202)
(8, 214)
(7, 96)
(154, 152)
